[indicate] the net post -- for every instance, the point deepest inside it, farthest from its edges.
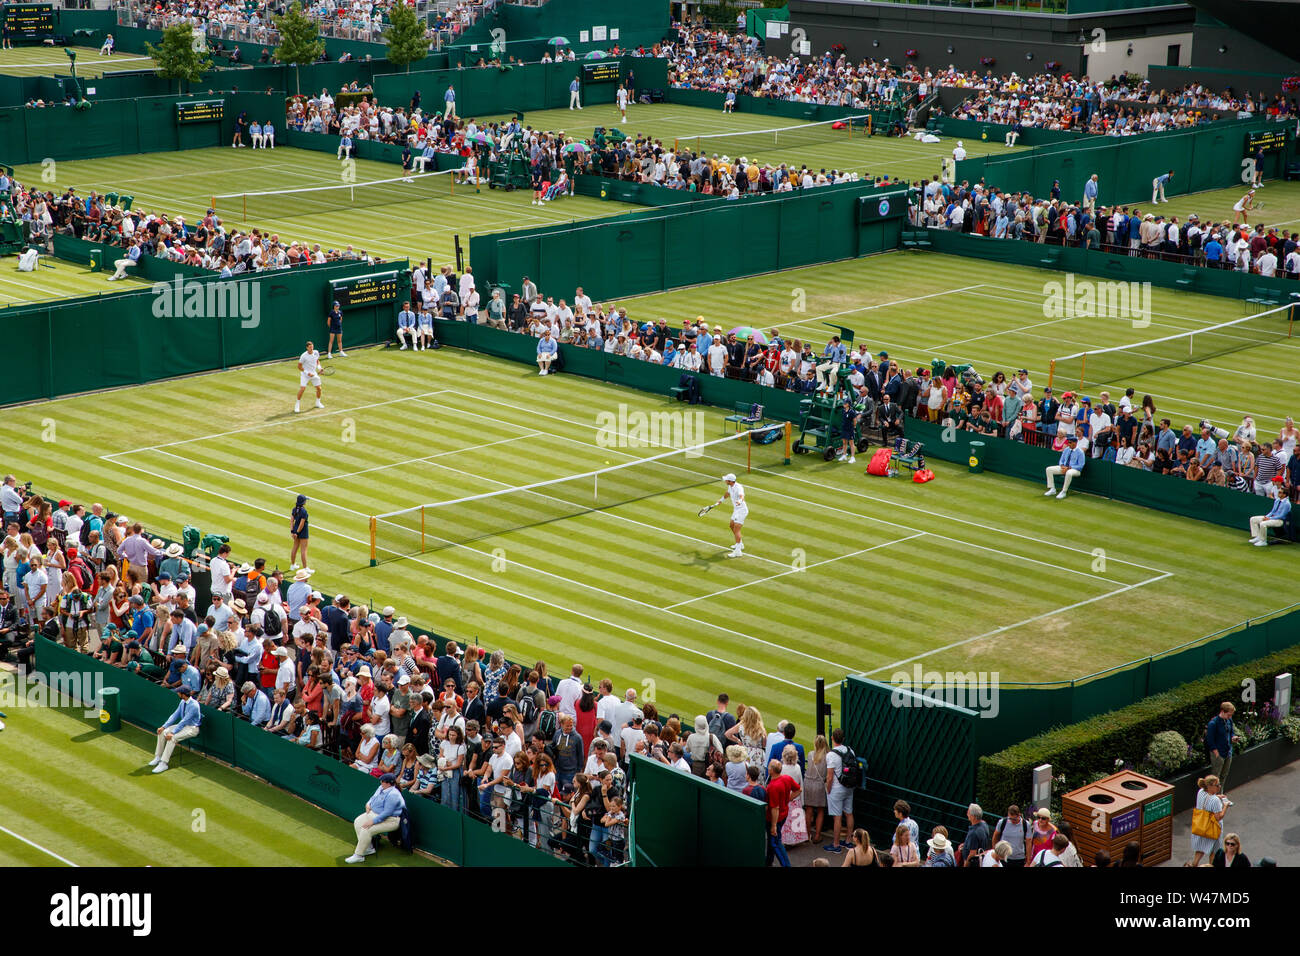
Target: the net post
(373, 561)
(789, 432)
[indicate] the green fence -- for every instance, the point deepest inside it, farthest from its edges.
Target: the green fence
(1167, 275)
(679, 819)
(783, 112)
(635, 253)
(154, 333)
(490, 91)
(329, 784)
(525, 31)
(973, 132)
(1205, 157)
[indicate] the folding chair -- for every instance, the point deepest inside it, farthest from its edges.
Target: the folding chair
(906, 456)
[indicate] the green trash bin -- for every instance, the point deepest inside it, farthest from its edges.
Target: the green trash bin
(976, 457)
(96, 259)
(190, 538)
(110, 710)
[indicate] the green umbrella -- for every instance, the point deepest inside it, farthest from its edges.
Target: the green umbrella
(483, 139)
(558, 41)
(595, 55)
(578, 147)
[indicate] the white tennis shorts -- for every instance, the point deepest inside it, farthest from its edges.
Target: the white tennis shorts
(304, 380)
(739, 515)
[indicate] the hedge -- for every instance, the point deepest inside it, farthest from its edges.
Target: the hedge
(1091, 747)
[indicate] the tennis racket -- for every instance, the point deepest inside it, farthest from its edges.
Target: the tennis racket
(327, 370)
(705, 510)
(1257, 206)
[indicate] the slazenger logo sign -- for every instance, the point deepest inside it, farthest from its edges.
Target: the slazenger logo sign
(77, 910)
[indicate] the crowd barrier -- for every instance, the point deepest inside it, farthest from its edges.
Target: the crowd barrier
(320, 780)
(1204, 157)
(1228, 283)
(636, 253)
(783, 112)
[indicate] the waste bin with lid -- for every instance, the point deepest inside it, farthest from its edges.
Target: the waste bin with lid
(110, 710)
(976, 457)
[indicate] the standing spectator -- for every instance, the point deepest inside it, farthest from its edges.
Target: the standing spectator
(814, 789)
(1219, 738)
(1014, 829)
(298, 533)
(977, 837)
(839, 796)
(1230, 853)
(781, 790)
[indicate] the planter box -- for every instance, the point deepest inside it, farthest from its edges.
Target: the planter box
(1247, 765)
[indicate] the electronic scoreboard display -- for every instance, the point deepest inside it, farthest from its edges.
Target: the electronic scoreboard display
(364, 290)
(200, 111)
(27, 20)
(1270, 141)
(605, 71)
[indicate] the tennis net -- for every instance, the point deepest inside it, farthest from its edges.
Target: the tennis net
(763, 143)
(1121, 364)
(464, 521)
(313, 200)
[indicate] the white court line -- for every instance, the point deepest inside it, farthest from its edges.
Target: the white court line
(880, 305)
(527, 567)
(409, 461)
(37, 846)
(249, 428)
(818, 564)
(480, 581)
(1009, 627)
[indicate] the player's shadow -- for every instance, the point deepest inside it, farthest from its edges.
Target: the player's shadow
(699, 559)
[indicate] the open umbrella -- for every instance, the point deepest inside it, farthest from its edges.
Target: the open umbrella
(558, 41)
(595, 55)
(749, 334)
(578, 147)
(483, 139)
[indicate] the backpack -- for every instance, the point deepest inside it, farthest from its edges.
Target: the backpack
(717, 725)
(851, 773)
(548, 724)
(271, 623)
(80, 572)
(527, 707)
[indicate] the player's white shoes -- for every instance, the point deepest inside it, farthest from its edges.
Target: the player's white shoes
(355, 859)
(403, 348)
(318, 403)
(1061, 496)
(161, 768)
(853, 459)
(296, 407)
(342, 354)
(1049, 492)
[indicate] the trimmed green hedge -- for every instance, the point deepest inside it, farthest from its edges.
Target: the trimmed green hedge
(1092, 746)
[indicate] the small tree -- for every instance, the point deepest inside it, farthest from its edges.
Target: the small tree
(300, 40)
(405, 36)
(179, 56)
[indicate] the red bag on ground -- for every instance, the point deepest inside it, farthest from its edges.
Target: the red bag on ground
(922, 475)
(879, 464)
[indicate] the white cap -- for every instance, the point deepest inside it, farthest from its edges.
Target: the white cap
(728, 477)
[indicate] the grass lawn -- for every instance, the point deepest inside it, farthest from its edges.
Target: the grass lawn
(183, 183)
(1277, 204)
(58, 279)
(51, 61)
(843, 573)
(71, 794)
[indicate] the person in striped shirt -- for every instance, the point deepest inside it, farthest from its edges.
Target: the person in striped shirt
(1267, 467)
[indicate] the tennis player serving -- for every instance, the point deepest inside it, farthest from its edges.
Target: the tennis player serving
(308, 374)
(739, 511)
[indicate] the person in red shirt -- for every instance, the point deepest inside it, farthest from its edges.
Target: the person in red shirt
(780, 791)
(269, 666)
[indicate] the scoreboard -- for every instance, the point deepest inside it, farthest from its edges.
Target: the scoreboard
(606, 71)
(201, 111)
(27, 20)
(1270, 141)
(364, 290)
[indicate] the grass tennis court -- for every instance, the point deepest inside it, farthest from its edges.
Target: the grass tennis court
(843, 573)
(74, 795)
(57, 279)
(52, 61)
(183, 183)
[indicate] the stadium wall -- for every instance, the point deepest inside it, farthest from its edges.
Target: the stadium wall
(1228, 283)
(636, 253)
(786, 110)
(133, 345)
(328, 784)
(524, 31)
(1202, 158)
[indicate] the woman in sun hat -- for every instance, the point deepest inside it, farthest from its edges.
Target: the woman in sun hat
(298, 533)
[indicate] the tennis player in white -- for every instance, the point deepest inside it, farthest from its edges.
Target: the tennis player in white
(308, 374)
(739, 511)
(622, 97)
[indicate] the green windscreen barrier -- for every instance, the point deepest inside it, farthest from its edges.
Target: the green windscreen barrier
(679, 819)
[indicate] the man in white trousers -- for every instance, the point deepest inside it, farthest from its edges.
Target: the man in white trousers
(1259, 524)
(181, 725)
(383, 814)
(1071, 466)
(575, 101)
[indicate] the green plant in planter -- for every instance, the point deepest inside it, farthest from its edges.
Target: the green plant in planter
(1168, 752)
(1290, 727)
